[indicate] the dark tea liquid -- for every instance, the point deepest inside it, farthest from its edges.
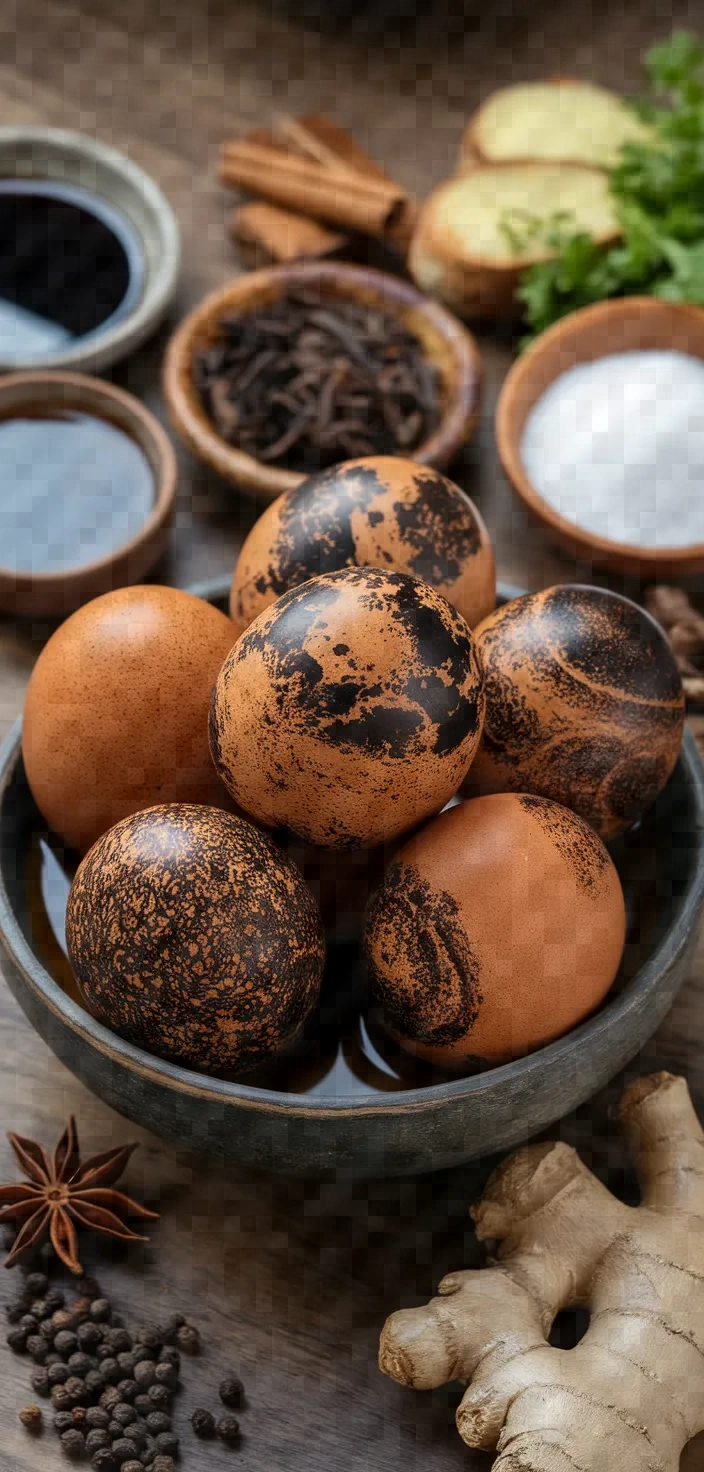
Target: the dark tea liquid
(73, 488)
(341, 1054)
(69, 264)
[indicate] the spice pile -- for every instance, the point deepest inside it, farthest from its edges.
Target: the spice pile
(111, 1391)
(310, 381)
(684, 627)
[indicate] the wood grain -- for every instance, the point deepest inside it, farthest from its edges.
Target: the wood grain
(290, 1282)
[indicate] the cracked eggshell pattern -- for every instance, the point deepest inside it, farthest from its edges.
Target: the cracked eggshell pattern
(584, 704)
(191, 935)
(498, 927)
(116, 716)
(350, 710)
(381, 511)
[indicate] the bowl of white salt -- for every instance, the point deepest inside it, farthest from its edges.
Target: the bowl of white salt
(600, 429)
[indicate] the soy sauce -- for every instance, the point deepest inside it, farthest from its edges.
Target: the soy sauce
(73, 489)
(70, 264)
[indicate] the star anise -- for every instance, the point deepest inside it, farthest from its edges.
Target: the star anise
(59, 1192)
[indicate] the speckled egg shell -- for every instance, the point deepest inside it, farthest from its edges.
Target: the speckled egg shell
(584, 704)
(498, 928)
(378, 512)
(116, 717)
(191, 935)
(350, 709)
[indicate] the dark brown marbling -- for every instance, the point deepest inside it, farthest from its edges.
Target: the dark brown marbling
(190, 934)
(584, 704)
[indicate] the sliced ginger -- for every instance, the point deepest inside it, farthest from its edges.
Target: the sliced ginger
(631, 1394)
(562, 120)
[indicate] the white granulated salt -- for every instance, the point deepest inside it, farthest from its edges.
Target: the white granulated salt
(617, 447)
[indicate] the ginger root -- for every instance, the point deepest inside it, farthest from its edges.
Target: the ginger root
(630, 1395)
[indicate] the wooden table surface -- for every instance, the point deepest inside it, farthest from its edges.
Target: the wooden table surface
(289, 1281)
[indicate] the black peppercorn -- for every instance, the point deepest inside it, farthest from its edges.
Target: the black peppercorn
(119, 1340)
(63, 1421)
(158, 1421)
(132, 1466)
(203, 1423)
(128, 1390)
(148, 1451)
(152, 1338)
(143, 1352)
(61, 1398)
(115, 1431)
(167, 1443)
(37, 1348)
(79, 1417)
(142, 1405)
(166, 1374)
(32, 1419)
(228, 1429)
(171, 1328)
(170, 1356)
(66, 1342)
(58, 1373)
(76, 1388)
(73, 1444)
(123, 1450)
(124, 1413)
(100, 1310)
(137, 1432)
(39, 1381)
(145, 1373)
(40, 1309)
(163, 1463)
(14, 1312)
(110, 1370)
(103, 1460)
(28, 1323)
(17, 1340)
(36, 1285)
(160, 1396)
(80, 1363)
(231, 1392)
(110, 1397)
(96, 1439)
(188, 1339)
(126, 1361)
(97, 1418)
(95, 1383)
(89, 1336)
(54, 1299)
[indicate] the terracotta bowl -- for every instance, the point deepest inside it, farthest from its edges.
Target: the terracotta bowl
(56, 594)
(627, 325)
(447, 344)
(345, 1123)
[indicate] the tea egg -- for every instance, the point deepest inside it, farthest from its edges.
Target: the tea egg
(350, 709)
(382, 512)
(116, 715)
(191, 935)
(499, 926)
(584, 704)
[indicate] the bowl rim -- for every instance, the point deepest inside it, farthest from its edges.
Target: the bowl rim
(125, 412)
(626, 557)
(70, 156)
(199, 434)
(434, 1096)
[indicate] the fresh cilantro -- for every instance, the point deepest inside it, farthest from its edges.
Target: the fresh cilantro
(658, 190)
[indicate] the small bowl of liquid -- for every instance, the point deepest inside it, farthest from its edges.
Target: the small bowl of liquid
(86, 491)
(89, 252)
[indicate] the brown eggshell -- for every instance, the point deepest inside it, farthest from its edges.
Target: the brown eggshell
(350, 709)
(116, 714)
(381, 512)
(191, 935)
(499, 927)
(584, 704)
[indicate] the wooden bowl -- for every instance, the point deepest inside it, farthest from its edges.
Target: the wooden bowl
(447, 344)
(56, 594)
(624, 325)
(372, 1133)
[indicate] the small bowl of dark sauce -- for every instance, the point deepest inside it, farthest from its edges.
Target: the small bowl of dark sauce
(89, 251)
(86, 491)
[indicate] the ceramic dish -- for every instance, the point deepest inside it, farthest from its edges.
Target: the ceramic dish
(446, 343)
(135, 210)
(625, 325)
(55, 594)
(377, 1128)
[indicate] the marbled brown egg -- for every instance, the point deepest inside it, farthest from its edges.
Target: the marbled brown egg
(349, 710)
(584, 704)
(499, 927)
(116, 717)
(378, 512)
(194, 937)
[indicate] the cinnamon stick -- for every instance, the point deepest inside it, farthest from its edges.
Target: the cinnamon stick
(371, 206)
(343, 145)
(266, 235)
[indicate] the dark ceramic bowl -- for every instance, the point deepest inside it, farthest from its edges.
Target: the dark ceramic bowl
(375, 1119)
